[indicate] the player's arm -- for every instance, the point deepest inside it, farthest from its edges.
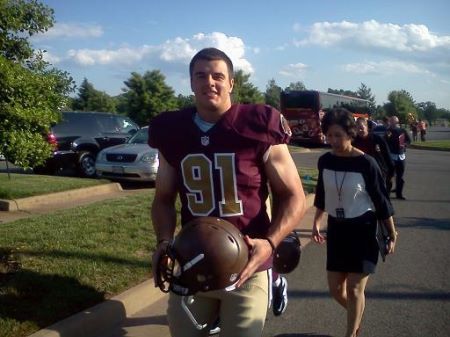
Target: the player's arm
(289, 207)
(287, 192)
(163, 209)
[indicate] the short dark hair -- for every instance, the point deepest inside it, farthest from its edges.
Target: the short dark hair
(212, 54)
(341, 117)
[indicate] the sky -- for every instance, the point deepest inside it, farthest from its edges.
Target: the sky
(387, 45)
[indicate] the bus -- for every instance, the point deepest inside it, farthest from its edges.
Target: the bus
(304, 110)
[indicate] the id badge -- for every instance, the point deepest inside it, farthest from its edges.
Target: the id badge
(340, 214)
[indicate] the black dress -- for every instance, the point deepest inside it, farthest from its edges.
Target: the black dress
(352, 191)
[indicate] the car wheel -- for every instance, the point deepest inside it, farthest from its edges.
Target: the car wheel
(86, 164)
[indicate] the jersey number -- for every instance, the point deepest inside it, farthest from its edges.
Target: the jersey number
(198, 175)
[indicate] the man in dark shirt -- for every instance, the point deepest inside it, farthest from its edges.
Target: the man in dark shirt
(397, 139)
(220, 159)
(375, 146)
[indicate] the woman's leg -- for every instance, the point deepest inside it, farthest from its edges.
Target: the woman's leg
(356, 285)
(337, 286)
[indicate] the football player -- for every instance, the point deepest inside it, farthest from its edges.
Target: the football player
(220, 158)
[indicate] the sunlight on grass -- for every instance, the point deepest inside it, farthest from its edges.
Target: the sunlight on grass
(25, 185)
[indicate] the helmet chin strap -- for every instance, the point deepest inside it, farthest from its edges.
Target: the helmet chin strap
(190, 300)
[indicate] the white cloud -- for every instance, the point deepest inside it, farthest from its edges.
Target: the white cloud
(90, 57)
(294, 70)
(71, 30)
(375, 35)
(50, 58)
(178, 50)
(386, 68)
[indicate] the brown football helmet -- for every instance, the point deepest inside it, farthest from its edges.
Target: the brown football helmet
(207, 254)
(287, 254)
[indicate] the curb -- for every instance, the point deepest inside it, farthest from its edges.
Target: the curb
(96, 320)
(30, 203)
(421, 147)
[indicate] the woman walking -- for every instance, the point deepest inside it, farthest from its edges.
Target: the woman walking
(352, 192)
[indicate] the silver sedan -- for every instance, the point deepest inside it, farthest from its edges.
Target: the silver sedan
(133, 161)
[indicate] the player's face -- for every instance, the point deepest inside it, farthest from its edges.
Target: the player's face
(212, 87)
(338, 139)
(362, 129)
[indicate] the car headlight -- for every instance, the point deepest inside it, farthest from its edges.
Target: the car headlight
(149, 157)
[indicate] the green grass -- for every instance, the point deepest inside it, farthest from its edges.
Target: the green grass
(17, 186)
(73, 259)
(440, 145)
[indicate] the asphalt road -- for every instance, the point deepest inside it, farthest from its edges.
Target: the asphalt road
(410, 293)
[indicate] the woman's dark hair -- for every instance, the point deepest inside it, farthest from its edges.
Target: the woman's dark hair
(341, 117)
(212, 54)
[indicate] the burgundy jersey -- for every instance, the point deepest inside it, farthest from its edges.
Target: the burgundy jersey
(221, 171)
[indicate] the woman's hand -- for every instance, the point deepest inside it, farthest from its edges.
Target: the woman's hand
(391, 243)
(316, 236)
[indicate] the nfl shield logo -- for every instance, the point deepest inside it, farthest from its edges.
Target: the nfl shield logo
(205, 140)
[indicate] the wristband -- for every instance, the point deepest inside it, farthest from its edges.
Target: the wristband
(162, 241)
(271, 244)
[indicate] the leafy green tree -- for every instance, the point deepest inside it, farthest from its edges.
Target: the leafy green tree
(90, 99)
(428, 111)
(148, 95)
(295, 86)
(272, 94)
(343, 92)
(400, 104)
(31, 92)
(365, 92)
(244, 91)
(185, 101)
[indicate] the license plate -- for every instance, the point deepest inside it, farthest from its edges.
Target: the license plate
(117, 169)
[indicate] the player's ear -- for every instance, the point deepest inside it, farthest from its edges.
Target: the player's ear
(231, 85)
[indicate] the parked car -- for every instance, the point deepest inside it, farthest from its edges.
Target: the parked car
(81, 135)
(132, 161)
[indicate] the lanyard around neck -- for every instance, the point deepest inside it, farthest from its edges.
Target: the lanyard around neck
(339, 189)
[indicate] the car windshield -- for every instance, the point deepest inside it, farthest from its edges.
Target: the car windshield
(140, 137)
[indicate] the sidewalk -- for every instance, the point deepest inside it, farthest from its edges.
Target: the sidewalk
(11, 210)
(138, 312)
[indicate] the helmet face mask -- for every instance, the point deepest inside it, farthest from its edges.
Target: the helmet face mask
(207, 254)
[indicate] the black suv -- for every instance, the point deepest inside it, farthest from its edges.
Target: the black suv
(81, 135)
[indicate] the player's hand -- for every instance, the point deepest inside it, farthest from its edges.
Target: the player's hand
(156, 260)
(260, 251)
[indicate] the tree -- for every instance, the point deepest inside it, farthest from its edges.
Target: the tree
(272, 94)
(90, 99)
(31, 91)
(295, 86)
(365, 92)
(428, 111)
(148, 95)
(244, 91)
(343, 92)
(400, 104)
(185, 101)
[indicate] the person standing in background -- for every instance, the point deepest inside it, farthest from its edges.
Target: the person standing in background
(397, 139)
(374, 146)
(422, 129)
